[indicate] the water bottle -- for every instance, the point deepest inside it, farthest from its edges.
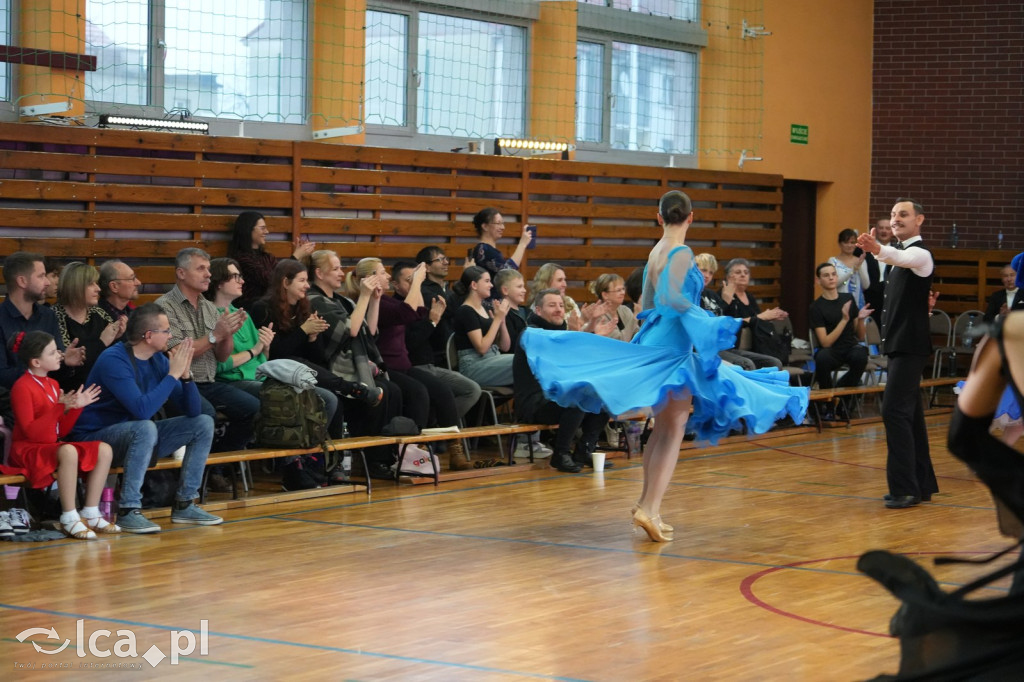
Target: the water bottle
(999, 240)
(968, 339)
(954, 238)
(107, 504)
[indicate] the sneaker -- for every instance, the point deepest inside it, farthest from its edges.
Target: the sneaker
(539, 451)
(5, 525)
(196, 516)
(20, 521)
(133, 521)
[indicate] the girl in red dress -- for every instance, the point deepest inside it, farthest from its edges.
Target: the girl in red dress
(42, 415)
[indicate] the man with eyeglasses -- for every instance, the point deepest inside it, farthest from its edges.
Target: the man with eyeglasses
(135, 380)
(119, 287)
(434, 287)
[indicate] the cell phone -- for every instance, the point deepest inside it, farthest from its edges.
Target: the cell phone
(532, 229)
(858, 252)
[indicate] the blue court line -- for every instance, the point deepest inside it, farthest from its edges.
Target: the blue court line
(612, 550)
(283, 642)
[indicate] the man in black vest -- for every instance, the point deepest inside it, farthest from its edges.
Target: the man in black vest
(907, 342)
(875, 290)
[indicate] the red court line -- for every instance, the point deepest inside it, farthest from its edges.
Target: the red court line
(747, 590)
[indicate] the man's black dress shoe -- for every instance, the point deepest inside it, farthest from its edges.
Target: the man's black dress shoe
(902, 501)
(927, 497)
(565, 464)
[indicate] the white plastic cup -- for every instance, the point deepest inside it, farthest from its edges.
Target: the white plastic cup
(598, 460)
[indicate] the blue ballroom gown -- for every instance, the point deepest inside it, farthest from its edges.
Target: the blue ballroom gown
(676, 349)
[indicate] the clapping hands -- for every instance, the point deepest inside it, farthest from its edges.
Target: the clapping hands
(76, 400)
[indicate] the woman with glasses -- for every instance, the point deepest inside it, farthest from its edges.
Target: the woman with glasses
(850, 266)
(247, 248)
(490, 227)
(610, 289)
(81, 320)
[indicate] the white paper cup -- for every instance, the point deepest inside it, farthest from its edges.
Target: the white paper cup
(179, 454)
(598, 459)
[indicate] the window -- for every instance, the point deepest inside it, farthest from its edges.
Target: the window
(248, 64)
(653, 99)
(589, 93)
(469, 76)
(5, 39)
(386, 68)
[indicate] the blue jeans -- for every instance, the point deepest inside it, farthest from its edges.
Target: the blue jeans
(137, 445)
(238, 406)
(491, 369)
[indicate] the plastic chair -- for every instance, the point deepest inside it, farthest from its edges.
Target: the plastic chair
(941, 329)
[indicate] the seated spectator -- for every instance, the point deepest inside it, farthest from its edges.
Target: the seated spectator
(533, 407)
(80, 317)
(422, 336)
(417, 384)
(552, 276)
(135, 380)
(850, 267)
(509, 285)
(713, 303)
(248, 239)
(53, 268)
(480, 331)
(838, 329)
(193, 317)
(44, 414)
(610, 289)
(490, 227)
(742, 304)
(351, 352)
(1010, 297)
(119, 289)
(23, 311)
(435, 287)
(296, 331)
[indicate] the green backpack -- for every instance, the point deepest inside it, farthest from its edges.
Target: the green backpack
(290, 418)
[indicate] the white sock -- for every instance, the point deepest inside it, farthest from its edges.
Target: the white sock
(90, 512)
(68, 518)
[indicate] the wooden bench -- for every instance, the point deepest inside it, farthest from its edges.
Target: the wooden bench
(820, 395)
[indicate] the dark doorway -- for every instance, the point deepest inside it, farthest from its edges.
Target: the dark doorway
(799, 204)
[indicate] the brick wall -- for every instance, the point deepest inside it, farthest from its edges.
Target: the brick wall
(948, 116)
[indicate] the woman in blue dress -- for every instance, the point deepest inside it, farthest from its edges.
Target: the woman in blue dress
(671, 365)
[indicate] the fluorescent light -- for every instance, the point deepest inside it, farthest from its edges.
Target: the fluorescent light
(107, 120)
(532, 146)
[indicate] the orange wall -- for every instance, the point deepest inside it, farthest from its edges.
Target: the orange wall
(817, 72)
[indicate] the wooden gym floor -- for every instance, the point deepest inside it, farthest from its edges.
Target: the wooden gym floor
(528, 575)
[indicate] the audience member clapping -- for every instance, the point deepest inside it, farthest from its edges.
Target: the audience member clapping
(742, 304)
(119, 288)
(480, 331)
(610, 289)
(247, 246)
(80, 317)
(510, 286)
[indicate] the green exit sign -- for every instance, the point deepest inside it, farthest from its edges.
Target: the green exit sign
(798, 133)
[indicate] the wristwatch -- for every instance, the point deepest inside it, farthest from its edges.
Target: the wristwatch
(212, 338)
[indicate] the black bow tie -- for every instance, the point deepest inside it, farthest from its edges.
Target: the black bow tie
(898, 246)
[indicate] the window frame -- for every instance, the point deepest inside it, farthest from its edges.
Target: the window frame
(680, 35)
(519, 13)
(157, 52)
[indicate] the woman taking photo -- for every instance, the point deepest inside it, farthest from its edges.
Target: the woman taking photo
(490, 227)
(248, 240)
(480, 332)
